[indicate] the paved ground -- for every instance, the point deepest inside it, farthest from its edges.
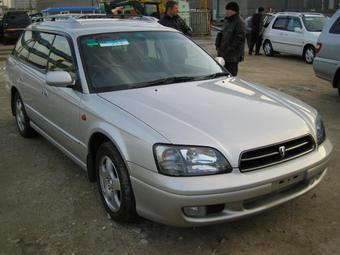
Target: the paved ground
(48, 207)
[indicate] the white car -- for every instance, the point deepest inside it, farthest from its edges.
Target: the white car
(293, 33)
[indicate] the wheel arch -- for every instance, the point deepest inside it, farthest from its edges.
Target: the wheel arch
(14, 91)
(97, 138)
(305, 47)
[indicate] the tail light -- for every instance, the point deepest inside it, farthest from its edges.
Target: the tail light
(318, 47)
(10, 30)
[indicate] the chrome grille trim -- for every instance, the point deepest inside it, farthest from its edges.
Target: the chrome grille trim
(266, 156)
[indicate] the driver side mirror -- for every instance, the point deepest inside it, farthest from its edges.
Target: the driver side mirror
(298, 30)
(59, 79)
(220, 61)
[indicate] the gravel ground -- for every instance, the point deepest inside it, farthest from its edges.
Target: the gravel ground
(47, 206)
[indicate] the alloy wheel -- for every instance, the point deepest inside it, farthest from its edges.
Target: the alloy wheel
(19, 115)
(110, 183)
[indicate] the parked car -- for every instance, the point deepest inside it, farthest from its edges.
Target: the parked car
(161, 126)
(13, 23)
(327, 60)
(293, 33)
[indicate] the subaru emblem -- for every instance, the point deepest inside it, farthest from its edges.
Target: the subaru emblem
(282, 151)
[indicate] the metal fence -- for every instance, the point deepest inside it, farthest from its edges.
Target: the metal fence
(200, 22)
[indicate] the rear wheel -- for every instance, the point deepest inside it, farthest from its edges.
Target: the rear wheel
(309, 54)
(268, 48)
(114, 184)
(21, 118)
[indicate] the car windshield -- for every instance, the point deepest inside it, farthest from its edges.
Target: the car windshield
(314, 23)
(127, 60)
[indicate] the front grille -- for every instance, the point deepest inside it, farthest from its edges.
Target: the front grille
(275, 154)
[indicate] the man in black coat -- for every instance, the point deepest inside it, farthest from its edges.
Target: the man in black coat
(256, 31)
(173, 20)
(231, 45)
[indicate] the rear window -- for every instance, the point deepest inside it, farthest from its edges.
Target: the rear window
(335, 29)
(267, 20)
(17, 19)
(314, 23)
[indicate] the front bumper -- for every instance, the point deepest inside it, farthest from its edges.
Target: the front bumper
(162, 198)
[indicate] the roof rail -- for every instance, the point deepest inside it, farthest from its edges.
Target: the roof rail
(119, 16)
(299, 13)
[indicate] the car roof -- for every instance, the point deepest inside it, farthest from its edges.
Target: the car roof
(299, 14)
(78, 27)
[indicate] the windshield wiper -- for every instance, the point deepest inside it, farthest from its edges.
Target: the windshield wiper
(171, 80)
(164, 81)
(212, 76)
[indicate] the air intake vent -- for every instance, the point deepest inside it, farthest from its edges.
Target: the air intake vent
(275, 154)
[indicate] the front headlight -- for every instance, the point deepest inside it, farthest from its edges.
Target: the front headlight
(189, 160)
(320, 130)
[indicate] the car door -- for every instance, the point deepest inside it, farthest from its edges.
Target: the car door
(278, 33)
(28, 79)
(294, 36)
(61, 104)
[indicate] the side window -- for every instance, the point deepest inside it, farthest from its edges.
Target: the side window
(39, 53)
(267, 20)
(61, 57)
(293, 23)
(280, 23)
(23, 46)
(335, 29)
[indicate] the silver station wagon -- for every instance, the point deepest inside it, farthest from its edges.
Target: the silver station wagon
(161, 126)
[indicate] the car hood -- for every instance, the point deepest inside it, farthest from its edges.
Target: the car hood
(228, 114)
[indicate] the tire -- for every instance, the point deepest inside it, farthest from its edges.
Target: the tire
(21, 118)
(309, 54)
(268, 48)
(114, 184)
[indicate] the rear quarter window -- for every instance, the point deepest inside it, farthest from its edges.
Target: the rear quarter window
(23, 45)
(40, 51)
(335, 29)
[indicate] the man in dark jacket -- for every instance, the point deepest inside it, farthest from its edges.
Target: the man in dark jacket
(256, 31)
(173, 20)
(231, 46)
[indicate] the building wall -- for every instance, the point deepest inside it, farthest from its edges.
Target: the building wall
(43, 4)
(19, 4)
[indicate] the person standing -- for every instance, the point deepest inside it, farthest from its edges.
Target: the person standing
(256, 31)
(173, 20)
(231, 45)
(248, 30)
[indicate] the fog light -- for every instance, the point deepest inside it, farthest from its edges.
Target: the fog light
(195, 211)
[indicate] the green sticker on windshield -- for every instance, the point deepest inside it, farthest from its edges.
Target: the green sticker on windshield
(91, 42)
(113, 43)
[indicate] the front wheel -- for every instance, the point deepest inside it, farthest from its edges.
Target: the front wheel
(309, 54)
(268, 48)
(114, 184)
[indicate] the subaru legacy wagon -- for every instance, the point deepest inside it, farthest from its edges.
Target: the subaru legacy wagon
(160, 125)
